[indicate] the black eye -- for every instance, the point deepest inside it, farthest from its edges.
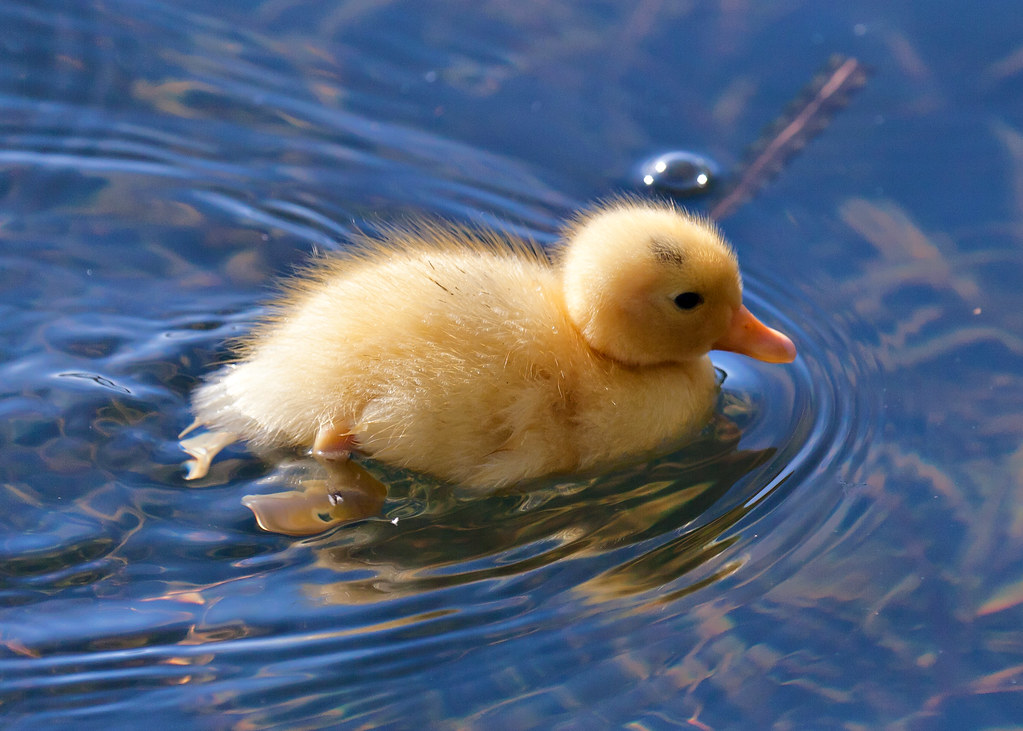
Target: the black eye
(688, 300)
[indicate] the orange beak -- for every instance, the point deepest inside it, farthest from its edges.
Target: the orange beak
(748, 336)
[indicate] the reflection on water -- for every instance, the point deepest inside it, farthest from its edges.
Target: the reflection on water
(598, 522)
(841, 546)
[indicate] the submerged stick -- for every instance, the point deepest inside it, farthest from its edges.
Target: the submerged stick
(828, 93)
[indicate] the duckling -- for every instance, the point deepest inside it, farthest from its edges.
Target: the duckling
(484, 361)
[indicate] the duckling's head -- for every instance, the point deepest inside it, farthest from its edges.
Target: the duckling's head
(648, 284)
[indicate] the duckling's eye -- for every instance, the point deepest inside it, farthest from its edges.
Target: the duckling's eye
(688, 300)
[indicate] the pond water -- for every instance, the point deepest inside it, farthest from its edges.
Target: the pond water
(839, 549)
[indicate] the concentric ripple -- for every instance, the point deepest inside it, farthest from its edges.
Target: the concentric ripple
(827, 405)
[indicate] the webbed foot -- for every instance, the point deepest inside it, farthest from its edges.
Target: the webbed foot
(203, 448)
(333, 444)
(348, 494)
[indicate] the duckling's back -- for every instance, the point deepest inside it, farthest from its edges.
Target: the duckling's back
(451, 360)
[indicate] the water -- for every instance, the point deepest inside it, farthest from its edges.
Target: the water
(841, 546)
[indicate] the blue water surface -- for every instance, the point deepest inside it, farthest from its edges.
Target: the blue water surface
(841, 546)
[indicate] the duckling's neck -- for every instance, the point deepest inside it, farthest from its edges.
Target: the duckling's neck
(645, 367)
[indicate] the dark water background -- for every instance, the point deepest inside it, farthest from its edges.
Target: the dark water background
(841, 548)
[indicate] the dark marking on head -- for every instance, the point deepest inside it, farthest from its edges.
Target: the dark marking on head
(667, 252)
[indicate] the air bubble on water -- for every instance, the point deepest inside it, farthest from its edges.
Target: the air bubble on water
(677, 173)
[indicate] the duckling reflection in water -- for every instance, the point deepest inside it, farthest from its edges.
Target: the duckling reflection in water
(477, 359)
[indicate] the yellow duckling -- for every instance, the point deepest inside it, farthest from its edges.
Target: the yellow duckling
(477, 359)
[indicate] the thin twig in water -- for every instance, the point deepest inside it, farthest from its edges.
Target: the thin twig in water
(823, 98)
